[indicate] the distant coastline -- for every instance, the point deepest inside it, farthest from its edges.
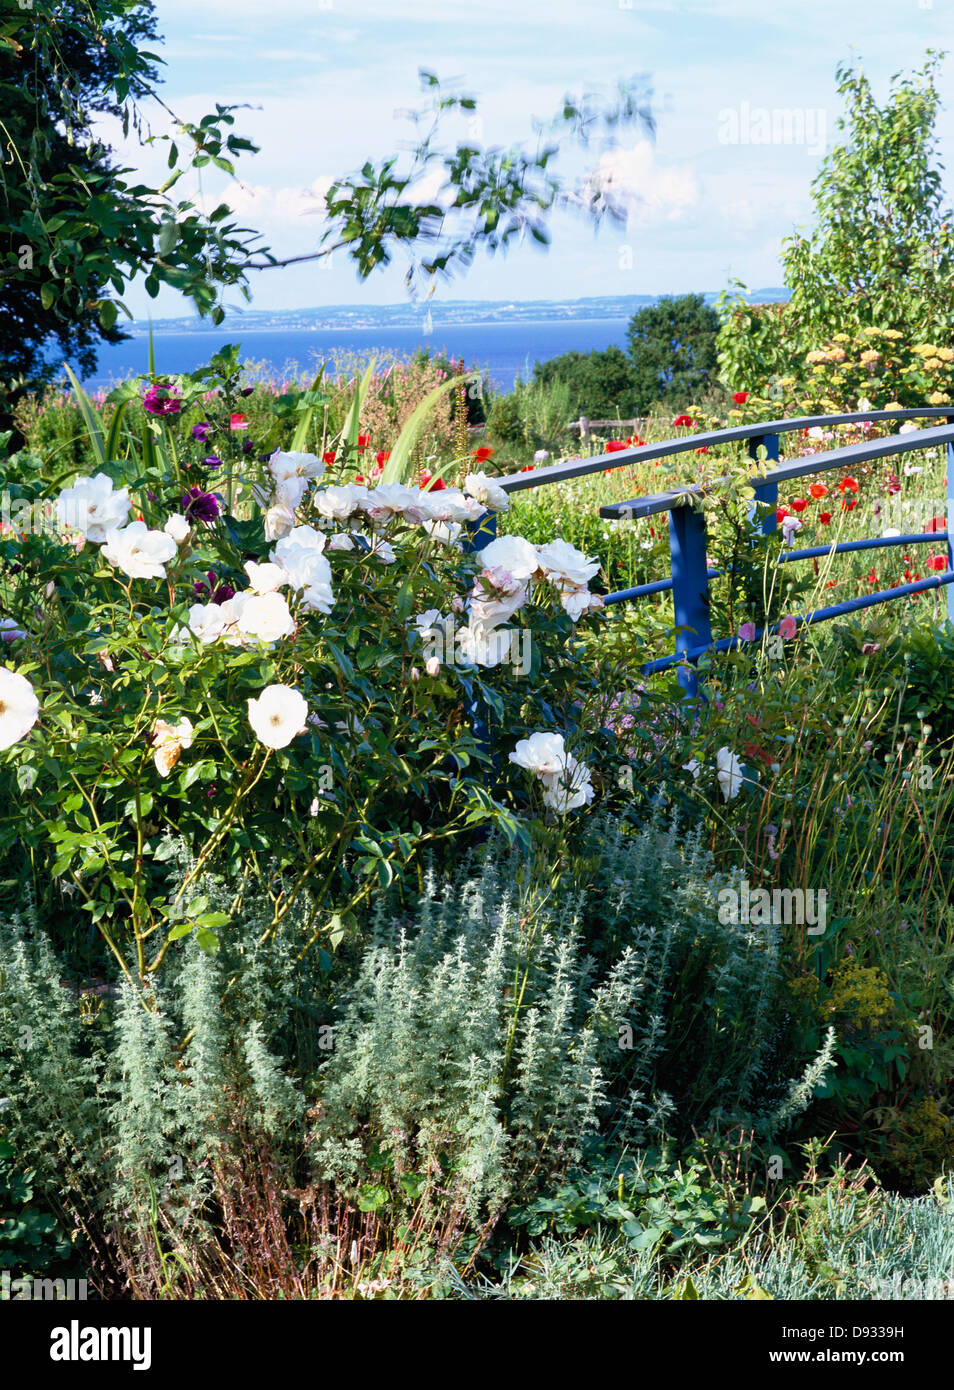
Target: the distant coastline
(431, 316)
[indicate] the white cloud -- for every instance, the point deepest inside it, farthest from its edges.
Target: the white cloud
(633, 180)
(287, 204)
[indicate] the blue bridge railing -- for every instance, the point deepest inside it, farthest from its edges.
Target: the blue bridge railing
(689, 573)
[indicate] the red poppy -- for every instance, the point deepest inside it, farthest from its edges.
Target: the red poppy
(824, 518)
(847, 506)
(848, 485)
(872, 577)
(799, 504)
(635, 441)
(703, 450)
(740, 397)
(482, 454)
(383, 457)
(431, 484)
(329, 457)
(894, 484)
(937, 523)
(237, 421)
(937, 562)
(818, 490)
(528, 468)
(780, 515)
(363, 441)
(681, 420)
(613, 446)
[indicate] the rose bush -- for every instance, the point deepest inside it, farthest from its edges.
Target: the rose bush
(295, 675)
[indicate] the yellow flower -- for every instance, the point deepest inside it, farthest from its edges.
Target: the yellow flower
(939, 398)
(871, 356)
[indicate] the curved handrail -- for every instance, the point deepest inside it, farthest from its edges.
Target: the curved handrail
(845, 457)
(624, 458)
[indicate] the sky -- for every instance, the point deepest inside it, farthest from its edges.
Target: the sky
(744, 93)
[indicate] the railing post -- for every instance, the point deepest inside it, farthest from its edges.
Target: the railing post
(765, 492)
(476, 535)
(950, 522)
(690, 587)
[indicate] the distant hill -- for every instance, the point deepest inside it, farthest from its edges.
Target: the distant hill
(438, 313)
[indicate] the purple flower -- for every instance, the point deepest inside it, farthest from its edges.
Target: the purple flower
(159, 400)
(198, 505)
(246, 390)
(218, 593)
(247, 447)
(201, 431)
(213, 461)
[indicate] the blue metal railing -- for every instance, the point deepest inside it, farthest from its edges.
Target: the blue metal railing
(689, 572)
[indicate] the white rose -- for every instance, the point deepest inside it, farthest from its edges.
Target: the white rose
(446, 532)
(266, 578)
(496, 597)
(266, 616)
(290, 491)
(168, 741)
(570, 788)
(232, 610)
(292, 464)
(279, 520)
(576, 602)
(430, 622)
(278, 715)
(449, 504)
(139, 552)
(487, 492)
(394, 499)
(433, 666)
(207, 622)
(340, 503)
(19, 707)
(91, 507)
(342, 541)
(729, 773)
(562, 563)
(511, 553)
(542, 753)
(304, 565)
(177, 527)
(484, 646)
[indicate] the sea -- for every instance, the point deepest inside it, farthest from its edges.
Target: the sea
(504, 350)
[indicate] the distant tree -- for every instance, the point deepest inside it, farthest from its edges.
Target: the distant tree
(600, 383)
(672, 350)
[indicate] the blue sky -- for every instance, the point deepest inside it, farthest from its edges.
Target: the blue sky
(745, 97)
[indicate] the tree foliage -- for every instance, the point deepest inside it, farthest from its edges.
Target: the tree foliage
(672, 348)
(600, 382)
(78, 226)
(881, 251)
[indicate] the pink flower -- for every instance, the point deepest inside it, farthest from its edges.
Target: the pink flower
(747, 632)
(787, 627)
